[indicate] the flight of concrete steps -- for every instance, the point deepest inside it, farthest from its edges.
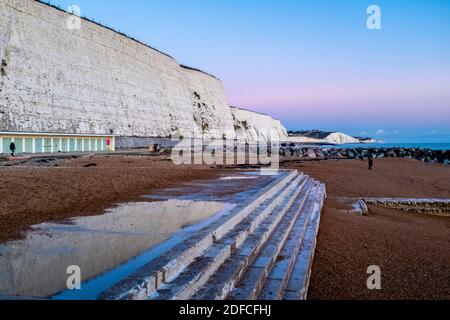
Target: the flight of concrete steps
(263, 249)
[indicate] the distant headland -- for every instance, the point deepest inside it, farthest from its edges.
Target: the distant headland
(323, 137)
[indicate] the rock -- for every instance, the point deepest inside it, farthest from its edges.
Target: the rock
(425, 155)
(320, 154)
(391, 154)
(90, 165)
(311, 153)
(351, 154)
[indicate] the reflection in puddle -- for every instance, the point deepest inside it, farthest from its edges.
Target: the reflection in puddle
(239, 178)
(37, 265)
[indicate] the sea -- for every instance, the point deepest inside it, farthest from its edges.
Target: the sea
(432, 146)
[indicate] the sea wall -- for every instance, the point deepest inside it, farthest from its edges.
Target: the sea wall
(93, 80)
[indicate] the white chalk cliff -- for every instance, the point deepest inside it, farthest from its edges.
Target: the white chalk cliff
(94, 80)
(332, 138)
(251, 126)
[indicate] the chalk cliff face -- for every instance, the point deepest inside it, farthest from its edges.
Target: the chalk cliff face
(96, 81)
(91, 80)
(341, 138)
(251, 126)
(211, 111)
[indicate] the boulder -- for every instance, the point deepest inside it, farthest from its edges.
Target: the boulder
(311, 153)
(391, 154)
(351, 154)
(320, 153)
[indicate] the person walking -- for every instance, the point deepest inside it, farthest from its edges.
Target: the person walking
(12, 147)
(370, 162)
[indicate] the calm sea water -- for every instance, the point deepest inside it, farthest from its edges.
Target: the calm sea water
(433, 146)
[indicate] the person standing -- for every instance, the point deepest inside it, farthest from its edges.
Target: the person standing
(12, 147)
(370, 162)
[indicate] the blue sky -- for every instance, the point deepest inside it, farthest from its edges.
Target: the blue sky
(312, 64)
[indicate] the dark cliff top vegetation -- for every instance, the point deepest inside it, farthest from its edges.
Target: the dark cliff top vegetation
(198, 70)
(49, 4)
(363, 138)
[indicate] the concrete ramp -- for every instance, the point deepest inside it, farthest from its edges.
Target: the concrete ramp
(263, 249)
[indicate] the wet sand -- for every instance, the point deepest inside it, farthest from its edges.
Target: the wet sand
(31, 196)
(412, 250)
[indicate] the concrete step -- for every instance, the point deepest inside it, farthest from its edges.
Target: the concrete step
(225, 279)
(256, 275)
(146, 280)
(297, 287)
(278, 277)
(255, 228)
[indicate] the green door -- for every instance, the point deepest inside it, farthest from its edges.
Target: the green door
(6, 143)
(56, 145)
(87, 146)
(104, 147)
(79, 145)
(72, 145)
(92, 145)
(47, 145)
(19, 145)
(64, 145)
(38, 145)
(99, 145)
(29, 145)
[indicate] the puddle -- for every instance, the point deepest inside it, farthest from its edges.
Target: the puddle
(37, 266)
(232, 188)
(109, 247)
(238, 178)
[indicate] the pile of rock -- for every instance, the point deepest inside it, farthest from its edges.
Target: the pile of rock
(426, 155)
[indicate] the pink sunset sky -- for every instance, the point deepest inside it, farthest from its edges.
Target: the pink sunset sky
(311, 64)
